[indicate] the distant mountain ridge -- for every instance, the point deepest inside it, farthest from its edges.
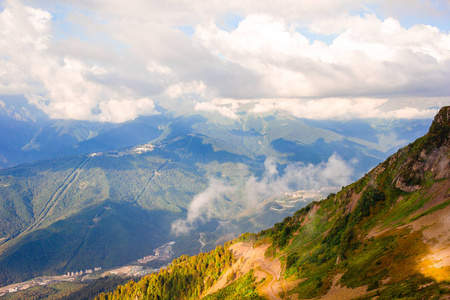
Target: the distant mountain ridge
(385, 236)
(27, 134)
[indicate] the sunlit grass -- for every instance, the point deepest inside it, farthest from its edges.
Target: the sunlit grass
(438, 274)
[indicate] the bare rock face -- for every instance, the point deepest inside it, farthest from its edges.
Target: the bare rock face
(429, 156)
(438, 162)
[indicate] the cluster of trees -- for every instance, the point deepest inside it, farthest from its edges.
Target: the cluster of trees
(185, 278)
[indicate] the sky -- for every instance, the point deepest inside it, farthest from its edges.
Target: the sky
(112, 61)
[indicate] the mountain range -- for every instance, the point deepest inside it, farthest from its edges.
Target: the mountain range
(29, 135)
(102, 194)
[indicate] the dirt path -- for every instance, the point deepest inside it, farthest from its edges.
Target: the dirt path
(342, 292)
(201, 238)
(270, 290)
(249, 258)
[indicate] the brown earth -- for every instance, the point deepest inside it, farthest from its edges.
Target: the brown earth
(252, 258)
(354, 198)
(343, 293)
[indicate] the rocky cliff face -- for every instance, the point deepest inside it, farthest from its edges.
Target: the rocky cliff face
(429, 156)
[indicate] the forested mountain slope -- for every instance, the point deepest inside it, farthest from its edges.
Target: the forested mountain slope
(68, 213)
(386, 236)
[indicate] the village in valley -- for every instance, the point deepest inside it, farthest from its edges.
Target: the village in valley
(138, 268)
(48, 280)
(161, 253)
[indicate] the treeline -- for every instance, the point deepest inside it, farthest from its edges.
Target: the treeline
(185, 278)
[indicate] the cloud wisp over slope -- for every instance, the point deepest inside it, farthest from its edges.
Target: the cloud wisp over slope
(110, 61)
(333, 173)
(329, 175)
(199, 208)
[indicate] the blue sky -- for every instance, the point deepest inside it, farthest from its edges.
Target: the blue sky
(113, 61)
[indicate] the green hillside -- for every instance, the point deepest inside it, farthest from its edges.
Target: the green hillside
(385, 236)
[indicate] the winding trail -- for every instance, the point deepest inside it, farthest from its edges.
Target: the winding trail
(249, 258)
(202, 236)
(270, 286)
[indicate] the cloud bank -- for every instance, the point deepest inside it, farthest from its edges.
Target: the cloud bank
(370, 57)
(341, 109)
(92, 60)
(63, 86)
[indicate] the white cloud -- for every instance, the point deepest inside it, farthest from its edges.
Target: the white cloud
(229, 112)
(335, 172)
(199, 207)
(63, 86)
(411, 113)
(340, 109)
(186, 88)
(372, 56)
(23, 32)
(124, 110)
(88, 53)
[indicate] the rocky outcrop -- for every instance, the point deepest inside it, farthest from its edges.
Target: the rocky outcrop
(427, 157)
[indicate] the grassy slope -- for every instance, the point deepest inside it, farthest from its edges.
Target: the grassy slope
(363, 233)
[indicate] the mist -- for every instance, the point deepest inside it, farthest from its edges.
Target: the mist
(198, 210)
(335, 172)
